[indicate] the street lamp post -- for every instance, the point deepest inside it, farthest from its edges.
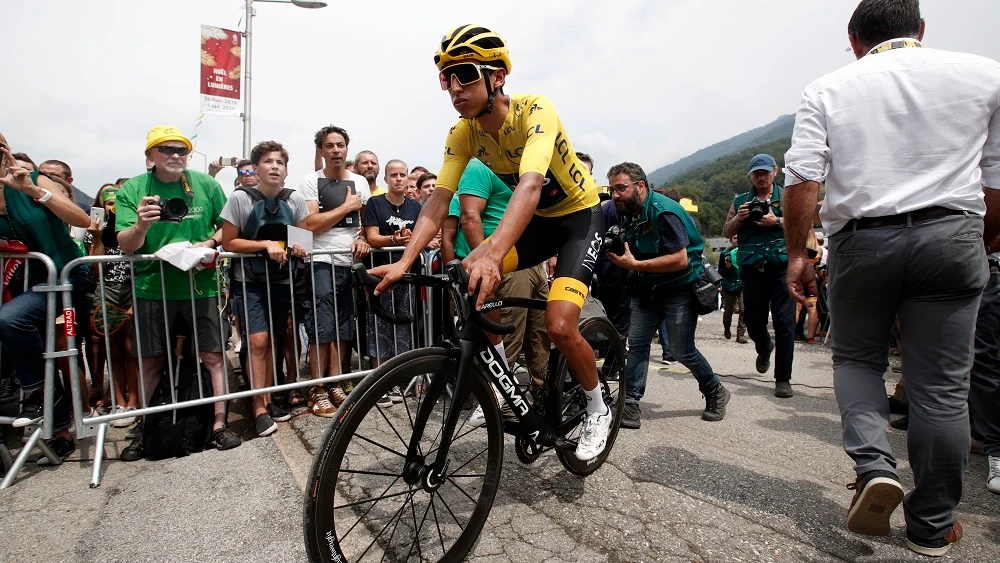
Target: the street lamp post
(247, 62)
(204, 158)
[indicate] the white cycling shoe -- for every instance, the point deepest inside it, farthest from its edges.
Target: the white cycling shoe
(594, 437)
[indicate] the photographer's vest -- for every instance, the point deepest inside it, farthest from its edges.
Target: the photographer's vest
(759, 246)
(643, 236)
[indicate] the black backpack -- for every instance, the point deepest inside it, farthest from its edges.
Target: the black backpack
(268, 220)
(185, 431)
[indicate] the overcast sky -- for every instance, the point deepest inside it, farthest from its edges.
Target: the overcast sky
(647, 81)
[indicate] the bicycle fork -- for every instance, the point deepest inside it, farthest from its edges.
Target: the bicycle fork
(433, 475)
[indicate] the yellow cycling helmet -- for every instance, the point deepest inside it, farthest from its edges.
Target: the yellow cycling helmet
(472, 42)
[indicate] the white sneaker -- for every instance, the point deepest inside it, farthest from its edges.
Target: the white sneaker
(993, 480)
(594, 437)
(477, 418)
(123, 422)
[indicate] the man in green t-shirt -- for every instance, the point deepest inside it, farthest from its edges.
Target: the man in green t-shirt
(145, 223)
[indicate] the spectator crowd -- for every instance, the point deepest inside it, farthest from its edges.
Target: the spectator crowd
(289, 308)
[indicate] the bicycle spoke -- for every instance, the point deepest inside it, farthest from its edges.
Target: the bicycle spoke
(410, 416)
(391, 425)
(448, 508)
(437, 524)
(416, 535)
(456, 439)
(398, 511)
(386, 448)
(461, 467)
(457, 486)
(365, 513)
(392, 534)
(469, 476)
(375, 499)
(444, 414)
(359, 472)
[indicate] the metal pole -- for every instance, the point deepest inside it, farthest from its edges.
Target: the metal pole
(247, 76)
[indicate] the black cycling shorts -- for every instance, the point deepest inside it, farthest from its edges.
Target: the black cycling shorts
(576, 238)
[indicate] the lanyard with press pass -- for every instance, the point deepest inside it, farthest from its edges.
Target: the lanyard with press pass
(895, 45)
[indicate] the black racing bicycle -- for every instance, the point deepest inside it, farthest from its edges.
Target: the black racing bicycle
(416, 481)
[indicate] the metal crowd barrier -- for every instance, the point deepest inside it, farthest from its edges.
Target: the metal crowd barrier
(97, 426)
(43, 430)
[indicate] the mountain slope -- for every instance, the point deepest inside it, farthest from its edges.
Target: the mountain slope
(712, 186)
(778, 129)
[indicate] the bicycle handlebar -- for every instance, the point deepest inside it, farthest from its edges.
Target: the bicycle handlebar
(364, 278)
(456, 279)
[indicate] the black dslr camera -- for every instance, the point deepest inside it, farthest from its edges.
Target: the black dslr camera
(758, 209)
(614, 240)
(173, 210)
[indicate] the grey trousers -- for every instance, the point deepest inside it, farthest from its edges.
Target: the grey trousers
(932, 275)
(984, 397)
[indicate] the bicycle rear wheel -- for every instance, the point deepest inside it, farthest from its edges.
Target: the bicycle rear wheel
(363, 504)
(610, 357)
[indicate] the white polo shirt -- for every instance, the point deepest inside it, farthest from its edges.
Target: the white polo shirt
(899, 130)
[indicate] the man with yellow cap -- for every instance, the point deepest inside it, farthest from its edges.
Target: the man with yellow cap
(165, 205)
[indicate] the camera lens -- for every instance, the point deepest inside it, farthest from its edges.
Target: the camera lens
(173, 209)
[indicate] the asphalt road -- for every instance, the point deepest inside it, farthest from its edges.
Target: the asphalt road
(765, 484)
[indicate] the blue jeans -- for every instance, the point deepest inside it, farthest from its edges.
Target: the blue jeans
(22, 322)
(664, 339)
(681, 322)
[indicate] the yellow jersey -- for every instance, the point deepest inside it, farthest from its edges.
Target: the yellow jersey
(532, 139)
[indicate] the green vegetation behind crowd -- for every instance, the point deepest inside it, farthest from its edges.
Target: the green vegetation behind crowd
(713, 186)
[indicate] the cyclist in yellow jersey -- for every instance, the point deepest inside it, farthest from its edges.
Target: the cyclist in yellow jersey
(554, 207)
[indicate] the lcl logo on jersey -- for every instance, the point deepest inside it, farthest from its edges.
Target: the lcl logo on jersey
(533, 108)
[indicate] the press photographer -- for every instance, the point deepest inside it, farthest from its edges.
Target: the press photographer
(663, 251)
(762, 257)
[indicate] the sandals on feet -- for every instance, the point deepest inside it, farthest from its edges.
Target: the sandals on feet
(295, 398)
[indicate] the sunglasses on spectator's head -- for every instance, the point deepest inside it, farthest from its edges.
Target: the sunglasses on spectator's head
(170, 151)
(465, 73)
(247, 172)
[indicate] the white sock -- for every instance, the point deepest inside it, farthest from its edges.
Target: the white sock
(595, 401)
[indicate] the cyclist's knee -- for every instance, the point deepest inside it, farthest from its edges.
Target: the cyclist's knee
(561, 329)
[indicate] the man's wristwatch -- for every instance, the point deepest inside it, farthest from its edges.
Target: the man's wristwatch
(45, 197)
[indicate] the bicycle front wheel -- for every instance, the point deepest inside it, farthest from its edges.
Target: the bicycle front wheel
(363, 502)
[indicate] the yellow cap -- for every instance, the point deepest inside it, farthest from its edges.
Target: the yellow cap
(163, 133)
(688, 205)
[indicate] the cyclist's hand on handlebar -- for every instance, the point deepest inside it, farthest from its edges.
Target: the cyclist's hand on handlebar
(390, 274)
(484, 275)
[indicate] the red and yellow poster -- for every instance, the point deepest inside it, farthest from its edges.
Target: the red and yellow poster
(221, 55)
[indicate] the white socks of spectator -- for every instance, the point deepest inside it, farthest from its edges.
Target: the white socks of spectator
(595, 401)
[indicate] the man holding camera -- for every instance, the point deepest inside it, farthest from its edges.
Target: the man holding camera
(755, 219)
(165, 205)
(662, 250)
